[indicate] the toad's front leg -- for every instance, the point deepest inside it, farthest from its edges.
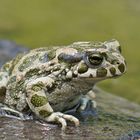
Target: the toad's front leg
(90, 96)
(85, 107)
(39, 104)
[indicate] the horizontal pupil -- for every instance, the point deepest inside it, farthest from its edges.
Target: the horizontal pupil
(96, 58)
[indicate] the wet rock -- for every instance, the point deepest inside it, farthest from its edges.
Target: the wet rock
(118, 118)
(9, 49)
(132, 136)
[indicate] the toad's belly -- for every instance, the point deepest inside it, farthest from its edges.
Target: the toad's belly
(68, 95)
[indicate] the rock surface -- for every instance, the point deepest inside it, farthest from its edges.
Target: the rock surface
(117, 119)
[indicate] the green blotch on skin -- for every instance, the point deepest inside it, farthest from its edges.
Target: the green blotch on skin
(38, 87)
(112, 70)
(101, 72)
(38, 101)
(44, 113)
(32, 72)
(121, 67)
(27, 62)
(82, 68)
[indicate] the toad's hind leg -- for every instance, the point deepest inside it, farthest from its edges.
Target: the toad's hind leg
(4, 77)
(3, 83)
(9, 112)
(39, 104)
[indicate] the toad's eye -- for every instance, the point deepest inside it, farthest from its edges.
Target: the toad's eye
(95, 59)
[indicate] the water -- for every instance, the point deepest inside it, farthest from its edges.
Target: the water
(11, 129)
(14, 129)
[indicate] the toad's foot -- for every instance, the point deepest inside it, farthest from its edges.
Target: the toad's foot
(87, 108)
(84, 104)
(61, 118)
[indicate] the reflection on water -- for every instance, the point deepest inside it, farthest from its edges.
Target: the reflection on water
(14, 129)
(17, 129)
(11, 129)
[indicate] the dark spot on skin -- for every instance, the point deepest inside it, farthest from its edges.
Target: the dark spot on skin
(121, 67)
(101, 72)
(70, 58)
(44, 113)
(52, 64)
(82, 68)
(112, 70)
(2, 94)
(38, 101)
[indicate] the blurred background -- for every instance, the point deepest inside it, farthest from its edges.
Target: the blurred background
(36, 23)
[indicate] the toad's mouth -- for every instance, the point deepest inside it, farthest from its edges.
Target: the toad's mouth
(96, 79)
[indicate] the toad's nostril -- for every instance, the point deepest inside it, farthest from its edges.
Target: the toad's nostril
(118, 62)
(115, 62)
